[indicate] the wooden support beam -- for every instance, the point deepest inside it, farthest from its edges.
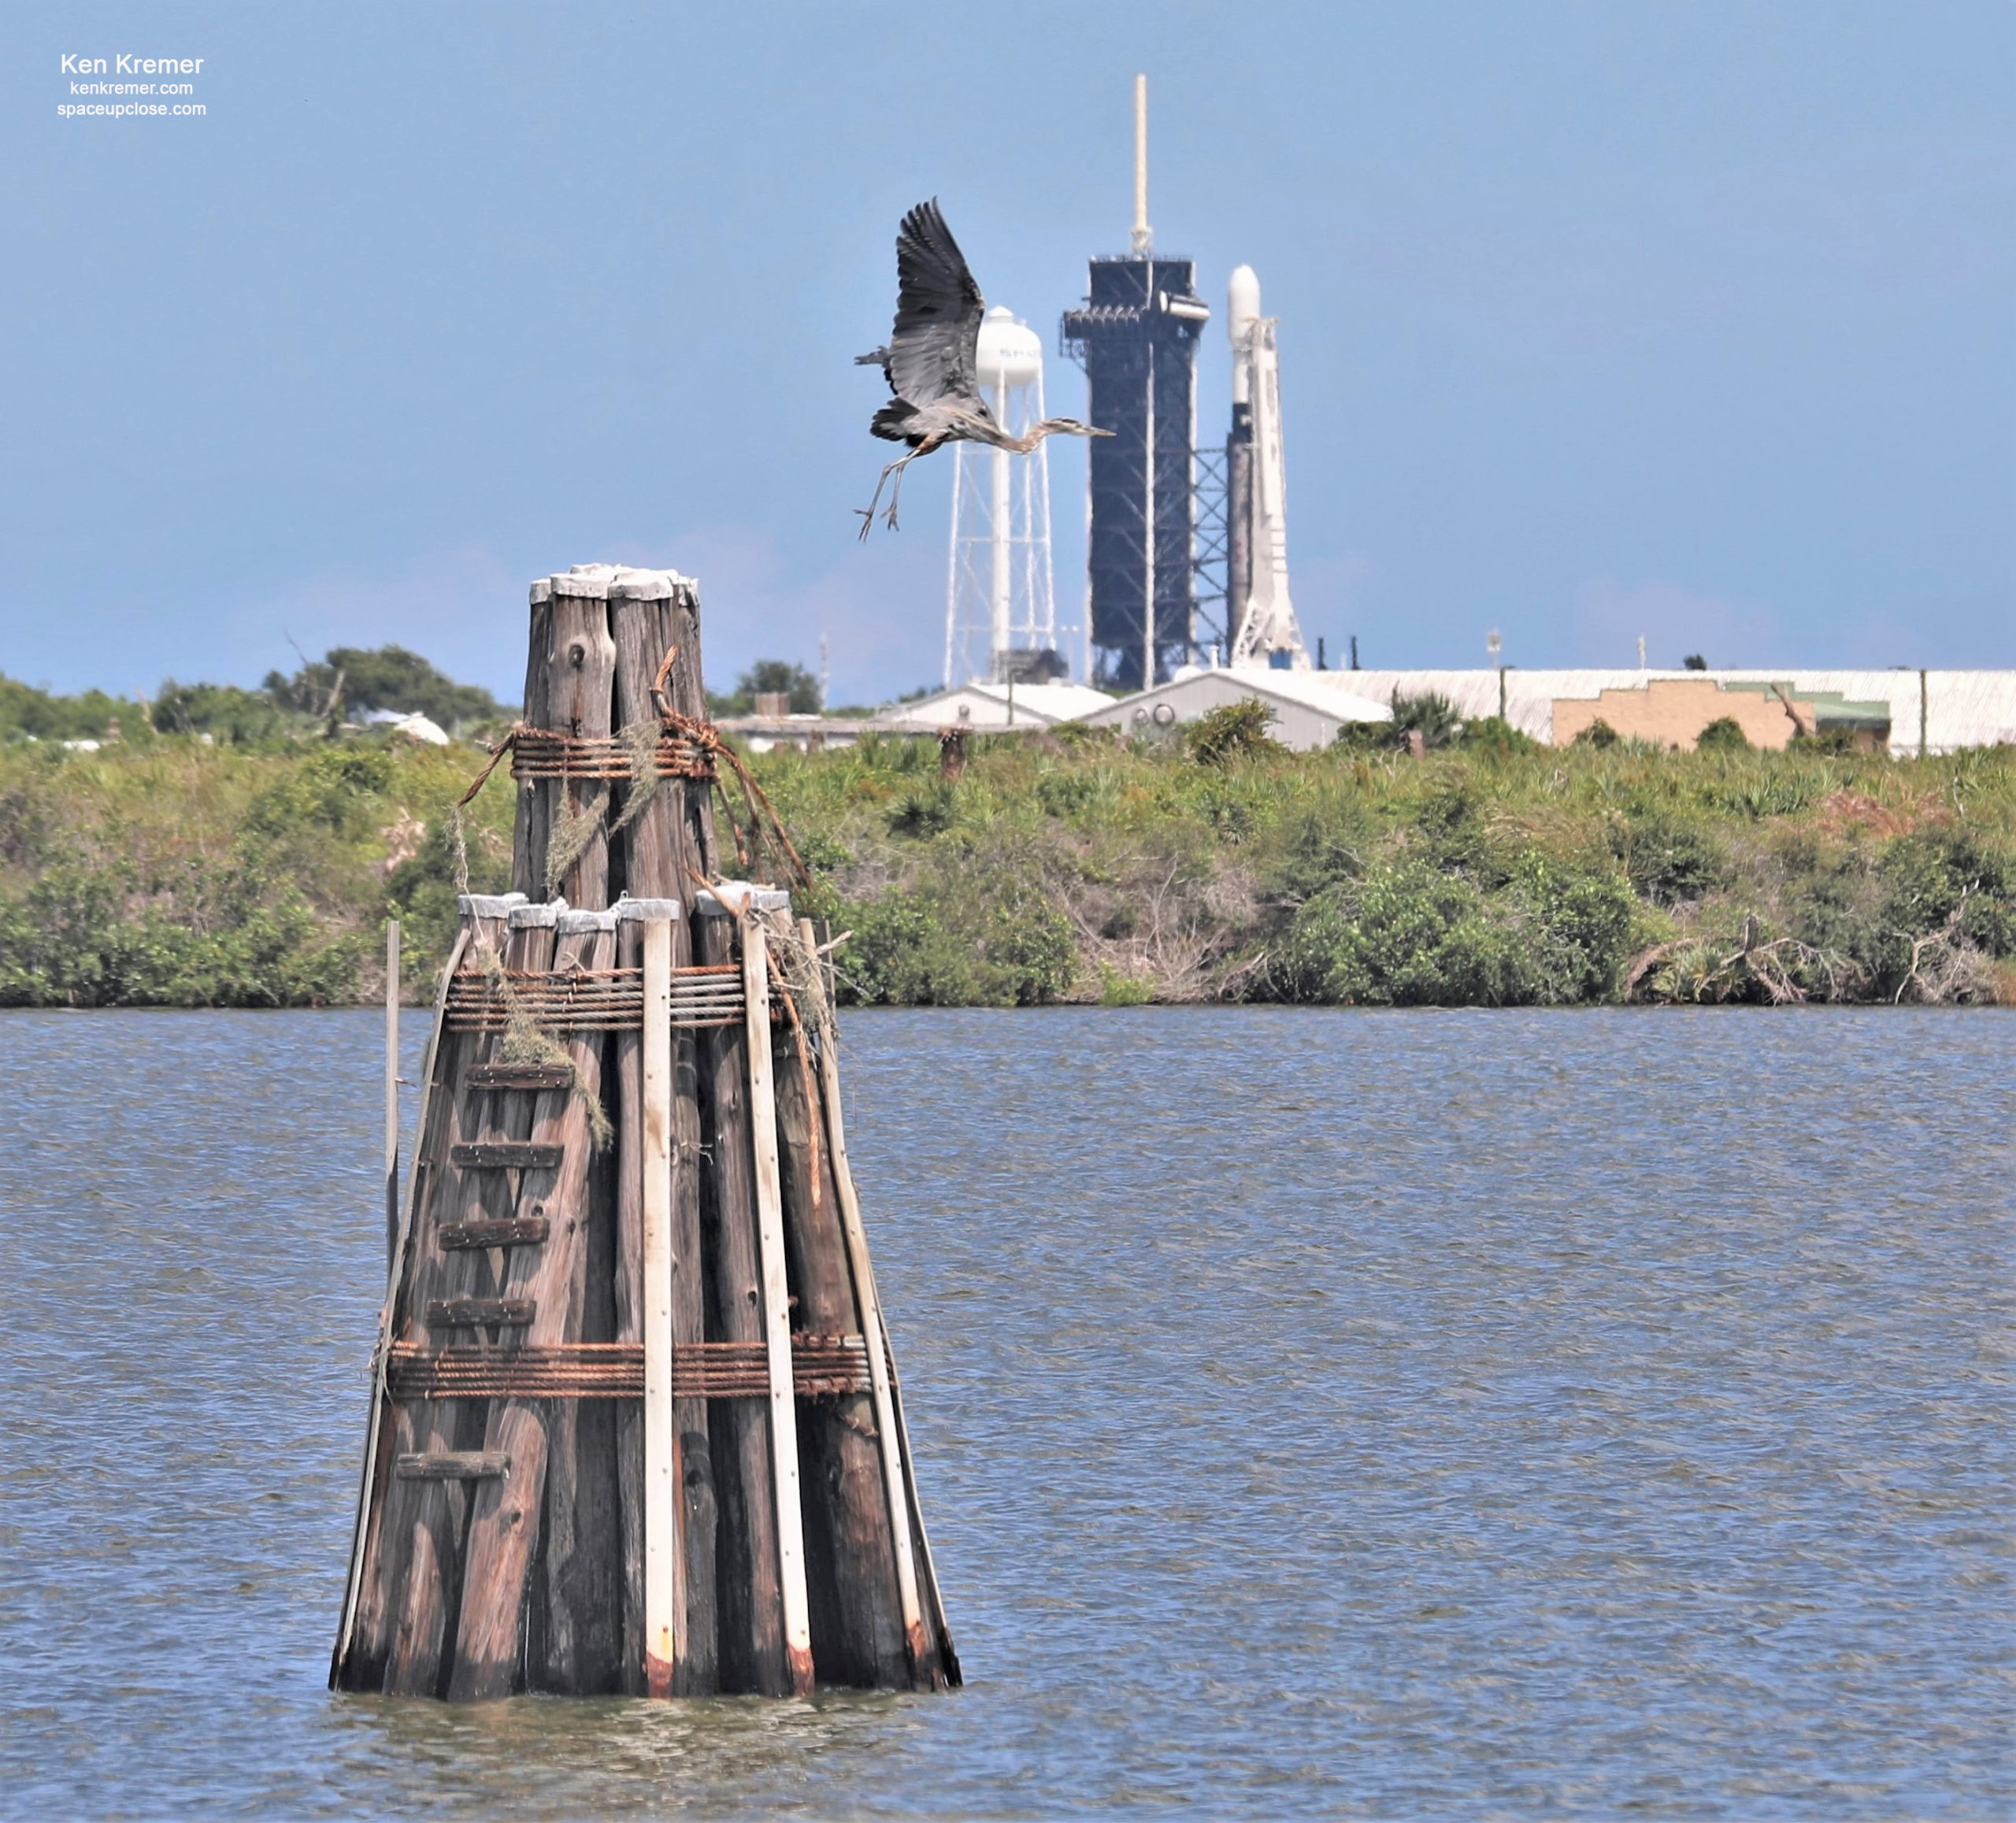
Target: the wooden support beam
(533, 816)
(452, 1466)
(357, 1662)
(533, 1545)
(748, 1616)
(517, 1076)
(777, 1310)
(696, 1671)
(476, 1312)
(428, 1520)
(929, 1665)
(664, 1604)
(666, 840)
(857, 1630)
(504, 1155)
(505, 1232)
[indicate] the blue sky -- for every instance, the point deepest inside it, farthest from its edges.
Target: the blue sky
(1692, 320)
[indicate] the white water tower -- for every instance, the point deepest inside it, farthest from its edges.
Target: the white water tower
(999, 600)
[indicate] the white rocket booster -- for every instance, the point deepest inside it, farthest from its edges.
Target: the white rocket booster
(1265, 631)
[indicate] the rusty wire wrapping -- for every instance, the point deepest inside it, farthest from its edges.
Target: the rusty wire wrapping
(589, 999)
(821, 1365)
(687, 748)
(546, 753)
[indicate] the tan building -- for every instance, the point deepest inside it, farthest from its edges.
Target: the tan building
(1671, 711)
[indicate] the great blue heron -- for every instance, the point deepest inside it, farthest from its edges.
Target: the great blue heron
(931, 362)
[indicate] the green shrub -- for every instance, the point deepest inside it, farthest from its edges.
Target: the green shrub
(1578, 919)
(898, 956)
(29, 714)
(1936, 880)
(1724, 735)
(1410, 934)
(772, 676)
(83, 937)
(1598, 734)
(1030, 943)
(350, 680)
(1431, 715)
(1065, 794)
(222, 711)
(1495, 737)
(1669, 861)
(1119, 990)
(921, 814)
(1781, 791)
(1233, 731)
(1365, 737)
(334, 790)
(256, 873)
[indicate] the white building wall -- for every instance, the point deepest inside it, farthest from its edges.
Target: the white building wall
(1308, 709)
(1963, 708)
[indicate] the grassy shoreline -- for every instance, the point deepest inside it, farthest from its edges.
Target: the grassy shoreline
(1078, 869)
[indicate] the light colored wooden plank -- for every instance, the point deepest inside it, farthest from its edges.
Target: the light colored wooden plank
(777, 1310)
(663, 1603)
(367, 1493)
(391, 1094)
(889, 1435)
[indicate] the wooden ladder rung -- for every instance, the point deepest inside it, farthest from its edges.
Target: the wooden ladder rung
(518, 1075)
(505, 1155)
(524, 1231)
(453, 1466)
(471, 1313)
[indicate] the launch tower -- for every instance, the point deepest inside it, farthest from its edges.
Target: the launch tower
(1136, 337)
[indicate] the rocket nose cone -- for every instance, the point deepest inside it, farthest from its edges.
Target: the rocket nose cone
(1241, 299)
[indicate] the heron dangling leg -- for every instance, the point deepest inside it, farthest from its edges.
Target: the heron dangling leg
(866, 514)
(896, 487)
(896, 467)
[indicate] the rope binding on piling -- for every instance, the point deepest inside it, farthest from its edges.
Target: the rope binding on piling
(684, 746)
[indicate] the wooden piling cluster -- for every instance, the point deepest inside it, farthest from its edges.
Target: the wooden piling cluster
(635, 1424)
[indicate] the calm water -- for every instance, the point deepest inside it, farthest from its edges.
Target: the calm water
(1494, 1414)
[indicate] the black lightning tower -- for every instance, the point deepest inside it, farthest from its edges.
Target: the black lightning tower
(1136, 336)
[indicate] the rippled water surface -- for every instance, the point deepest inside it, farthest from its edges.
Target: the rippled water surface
(1498, 1414)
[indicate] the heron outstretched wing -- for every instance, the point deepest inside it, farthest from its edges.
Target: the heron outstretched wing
(932, 353)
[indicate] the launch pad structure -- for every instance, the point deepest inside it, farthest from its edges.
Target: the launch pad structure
(1163, 513)
(1136, 335)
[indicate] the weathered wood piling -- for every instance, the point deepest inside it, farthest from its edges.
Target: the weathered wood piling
(636, 1426)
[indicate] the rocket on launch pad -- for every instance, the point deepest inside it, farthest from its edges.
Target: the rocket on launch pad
(1258, 612)
(1136, 337)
